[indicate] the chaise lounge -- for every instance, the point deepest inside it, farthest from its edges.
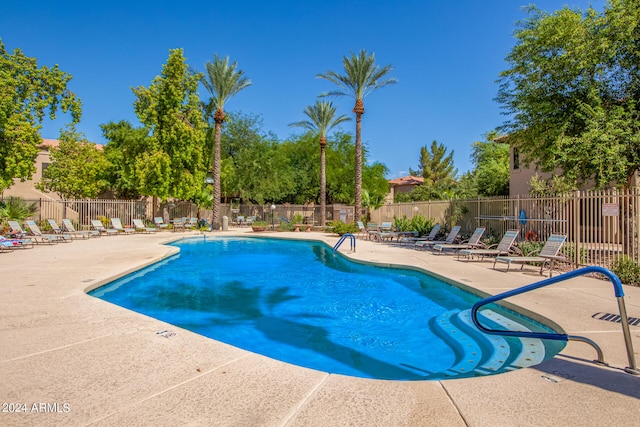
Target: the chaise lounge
(548, 254)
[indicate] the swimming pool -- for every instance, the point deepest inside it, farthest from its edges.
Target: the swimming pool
(298, 302)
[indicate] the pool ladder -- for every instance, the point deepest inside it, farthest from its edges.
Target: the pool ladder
(352, 241)
(619, 293)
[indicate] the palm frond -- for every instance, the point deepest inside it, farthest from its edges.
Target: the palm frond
(361, 76)
(322, 118)
(223, 80)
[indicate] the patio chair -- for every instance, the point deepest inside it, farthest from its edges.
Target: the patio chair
(138, 225)
(191, 223)
(58, 231)
(548, 254)
(117, 224)
(178, 224)
(372, 229)
(473, 242)
(97, 225)
(431, 236)
(451, 237)
(34, 233)
(8, 245)
(160, 224)
(67, 226)
(502, 248)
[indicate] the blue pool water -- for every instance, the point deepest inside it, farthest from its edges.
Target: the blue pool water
(298, 302)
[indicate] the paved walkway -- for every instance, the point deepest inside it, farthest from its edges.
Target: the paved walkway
(70, 359)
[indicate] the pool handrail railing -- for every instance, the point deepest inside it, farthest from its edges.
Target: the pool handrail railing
(352, 241)
(619, 293)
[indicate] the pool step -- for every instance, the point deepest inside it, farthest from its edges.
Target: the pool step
(478, 353)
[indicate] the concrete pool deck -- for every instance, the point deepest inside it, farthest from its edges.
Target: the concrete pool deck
(70, 359)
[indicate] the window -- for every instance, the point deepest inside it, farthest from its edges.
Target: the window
(516, 159)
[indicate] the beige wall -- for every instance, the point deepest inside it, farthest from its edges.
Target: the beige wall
(27, 189)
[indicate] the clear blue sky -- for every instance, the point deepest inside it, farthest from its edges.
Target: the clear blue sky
(446, 56)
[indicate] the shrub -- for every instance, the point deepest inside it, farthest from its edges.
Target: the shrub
(528, 247)
(418, 223)
(341, 228)
(627, 270)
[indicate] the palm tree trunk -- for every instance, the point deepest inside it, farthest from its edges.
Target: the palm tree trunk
(215, 221)
(323, 181)
(358, 180)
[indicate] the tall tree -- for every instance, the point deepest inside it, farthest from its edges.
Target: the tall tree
(78, 169)
(223, 81)
(572, 92)
(436, 166)
(491, 161)
(27, 92)
(322, 118)
(362, 76)
(127, 151)
(170, 109)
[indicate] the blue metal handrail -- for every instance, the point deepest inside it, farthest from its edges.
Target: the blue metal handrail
(619, 293)
(352, 242)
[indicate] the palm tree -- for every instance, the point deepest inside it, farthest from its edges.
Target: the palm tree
(322, 118)
(362, 77)
(223, 82)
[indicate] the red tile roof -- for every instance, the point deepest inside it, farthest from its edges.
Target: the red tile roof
(407, 180)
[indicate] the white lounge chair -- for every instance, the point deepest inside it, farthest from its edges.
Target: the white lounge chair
(503, 247)
(97, 225)
(548, 254)
(69, 228)
(431, 236)
(117, 224)
(451, 237)
(160, 224)
(138, 225)
(58, 231)
(473, 242)
(40, 237)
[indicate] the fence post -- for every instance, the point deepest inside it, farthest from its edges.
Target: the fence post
(576, 228)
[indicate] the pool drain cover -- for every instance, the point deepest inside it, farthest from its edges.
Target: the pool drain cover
(634, 321)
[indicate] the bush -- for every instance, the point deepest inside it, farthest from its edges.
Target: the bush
(528, 247)
(627, 270)
(341, 228)
(418, 223)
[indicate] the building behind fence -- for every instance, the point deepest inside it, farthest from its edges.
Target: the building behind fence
(600, 226)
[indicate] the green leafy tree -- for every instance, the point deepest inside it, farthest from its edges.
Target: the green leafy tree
(362, 76)
(263, 173)
(78, 168)
(304, 162)
(572, 91)
(127, 152)
(491, 161)
(322, 118)
(173, 165)
(27, 93)
(223, 81)
(467, 187)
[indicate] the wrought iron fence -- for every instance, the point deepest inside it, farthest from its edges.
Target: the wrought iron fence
(600, 226)
(81, 212)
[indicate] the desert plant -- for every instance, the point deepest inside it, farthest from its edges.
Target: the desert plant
(627, 270)
(18, 209)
